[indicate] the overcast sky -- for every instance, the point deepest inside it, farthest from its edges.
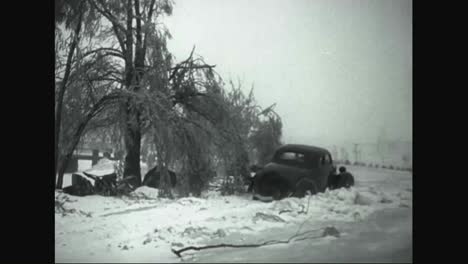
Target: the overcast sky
(339, 71)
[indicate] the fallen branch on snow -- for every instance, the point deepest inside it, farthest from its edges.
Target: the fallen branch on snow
(297, 237)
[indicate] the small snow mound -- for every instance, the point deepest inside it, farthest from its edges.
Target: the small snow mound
(404, 196)
(287, 204)
(210, 194)
(219, 233)
(190, 201)
(104, 161)
(177, 244)
(363, 199)
(385, 199)
(103, 167)
(195, 232)
(146, 192)
(64, 197)
(267, 217)
(346, 195)
(62, 208)
(404, 205)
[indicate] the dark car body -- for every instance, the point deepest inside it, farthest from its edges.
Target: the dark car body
(291, 165)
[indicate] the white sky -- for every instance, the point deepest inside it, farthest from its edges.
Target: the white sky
(339, 71)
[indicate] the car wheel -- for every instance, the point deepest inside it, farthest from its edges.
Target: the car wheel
(274, 187)
(276, 193)
(332, 180)
(304, 185)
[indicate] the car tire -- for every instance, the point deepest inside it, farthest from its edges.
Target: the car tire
(304, 185)
(272, 185)
(332, 181)
(276, 193)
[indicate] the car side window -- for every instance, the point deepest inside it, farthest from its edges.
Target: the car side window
(300, 157)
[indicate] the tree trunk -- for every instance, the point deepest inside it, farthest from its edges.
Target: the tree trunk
(68, 156)
(164, 180)
(133, 145)
(61, 172)
(132, 81)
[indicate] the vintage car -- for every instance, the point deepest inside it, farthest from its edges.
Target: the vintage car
(293, 171)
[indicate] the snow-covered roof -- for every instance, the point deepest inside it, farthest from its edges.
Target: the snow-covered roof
(102, 168)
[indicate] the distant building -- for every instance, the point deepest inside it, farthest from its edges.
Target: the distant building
(96, 140)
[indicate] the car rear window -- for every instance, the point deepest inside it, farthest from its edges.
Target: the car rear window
(326, 159)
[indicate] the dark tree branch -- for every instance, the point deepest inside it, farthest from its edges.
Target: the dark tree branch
(96, 109)
(194, 67)
(268, 109)
(116, 26)
(147, 25)
(115, 79)
(139, 40)
(63, 86)
(129, 46)
(181, 98)
(266, 243)
(176, 68)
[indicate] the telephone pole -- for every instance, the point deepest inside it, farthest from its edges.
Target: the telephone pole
(356, 152)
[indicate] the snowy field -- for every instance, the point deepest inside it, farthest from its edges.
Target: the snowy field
(374, 220)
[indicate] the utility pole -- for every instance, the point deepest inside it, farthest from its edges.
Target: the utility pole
(335, 153)
(344, 155)
(356, 152)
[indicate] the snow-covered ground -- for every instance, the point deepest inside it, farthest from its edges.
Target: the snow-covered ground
(374, 219)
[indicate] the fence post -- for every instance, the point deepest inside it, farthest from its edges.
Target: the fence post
(72, 165)
(95, 156)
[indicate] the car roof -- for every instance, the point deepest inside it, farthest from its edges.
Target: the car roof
(303, 148)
